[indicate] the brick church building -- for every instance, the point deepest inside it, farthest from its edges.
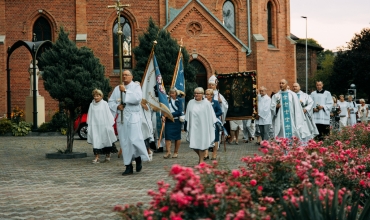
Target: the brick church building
(221, 36)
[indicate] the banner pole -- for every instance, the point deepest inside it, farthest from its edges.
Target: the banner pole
(174, 78)
(147, 64)
(160, 136)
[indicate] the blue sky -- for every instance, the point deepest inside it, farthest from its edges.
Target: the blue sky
(331, 22)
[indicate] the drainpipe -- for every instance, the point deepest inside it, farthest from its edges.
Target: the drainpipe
(249, 28)
(166, 12)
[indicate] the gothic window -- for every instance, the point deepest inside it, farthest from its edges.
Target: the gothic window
(201, 74)
(41, 30)
(228, 13)
(270, 24)
(125, 44)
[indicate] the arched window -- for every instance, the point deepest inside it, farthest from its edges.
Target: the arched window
(126, 44)
(270, 24)
(228, 13)
(41, 30)
(201, 75)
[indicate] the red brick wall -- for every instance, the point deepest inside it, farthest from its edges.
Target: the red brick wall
(3, 49)
(216, 48)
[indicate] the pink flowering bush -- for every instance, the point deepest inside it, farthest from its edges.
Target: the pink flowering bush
(282, 170)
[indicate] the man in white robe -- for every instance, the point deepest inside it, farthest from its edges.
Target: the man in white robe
(323, 103)
(129, 129)
(288, 115)
(200, 119)
(352, 110)
(264, 113)
(307, 106)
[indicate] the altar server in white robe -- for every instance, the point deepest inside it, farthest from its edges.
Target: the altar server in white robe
(264, 113)
(200, 119)
(307, 106)
(323, 104)
(288, 115)
(129, 130)
(344, 111)
(212, 84)
(352, 111)
(100, 131)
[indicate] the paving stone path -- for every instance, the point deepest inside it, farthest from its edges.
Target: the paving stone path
(33, 187)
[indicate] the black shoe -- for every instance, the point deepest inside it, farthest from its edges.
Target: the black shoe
(129, 170)
(210, 149)
(138, 164)
(206, 158)
(159, 150)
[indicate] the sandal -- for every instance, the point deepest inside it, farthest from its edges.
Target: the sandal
(214, 158)
(95, 161)
(167, 156)
(175, 155)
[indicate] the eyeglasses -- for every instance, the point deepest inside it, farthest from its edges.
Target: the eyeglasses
(209, 94)
(126, 75)
(198, 93)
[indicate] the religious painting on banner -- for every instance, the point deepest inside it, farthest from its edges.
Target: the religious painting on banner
(239, 89)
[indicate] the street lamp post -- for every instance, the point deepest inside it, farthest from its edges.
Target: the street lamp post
(306, 55)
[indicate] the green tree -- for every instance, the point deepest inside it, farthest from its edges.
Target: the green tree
(310, 41)
(352, 65)
(166, 52)
(325, 61)
(70, 75)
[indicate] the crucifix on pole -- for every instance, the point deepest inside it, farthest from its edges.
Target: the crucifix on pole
(119, 7)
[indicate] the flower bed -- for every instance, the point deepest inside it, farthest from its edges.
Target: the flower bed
(282, 171)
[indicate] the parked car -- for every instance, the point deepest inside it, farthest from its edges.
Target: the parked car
(81, 126)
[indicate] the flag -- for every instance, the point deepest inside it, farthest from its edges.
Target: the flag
(179, 77)
(152, 85)
(178, 80)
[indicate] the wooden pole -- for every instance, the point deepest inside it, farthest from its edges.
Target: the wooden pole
(160, 136)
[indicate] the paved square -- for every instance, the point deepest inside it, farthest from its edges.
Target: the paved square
(33, 187)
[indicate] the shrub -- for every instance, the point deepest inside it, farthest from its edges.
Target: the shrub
(17, 115)
(313, 206)
(58, 121)
(44, 127)
(21, 129)
(5, 126)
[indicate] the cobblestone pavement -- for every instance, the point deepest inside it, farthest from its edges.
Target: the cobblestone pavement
(33, 187)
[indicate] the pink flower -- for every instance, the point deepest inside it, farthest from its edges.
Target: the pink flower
(260, 188)
(164, 209)
(362, 183)
(235, 173)
(118, 208)
(176, 169)
(253, 182)
(262, 209)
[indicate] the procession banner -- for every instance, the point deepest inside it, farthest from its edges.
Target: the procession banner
(178, 80)
(153, 89)
(239, 90)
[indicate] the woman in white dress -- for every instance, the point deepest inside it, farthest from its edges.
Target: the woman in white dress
(100, 131)
(363, 111)
(200, 119)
